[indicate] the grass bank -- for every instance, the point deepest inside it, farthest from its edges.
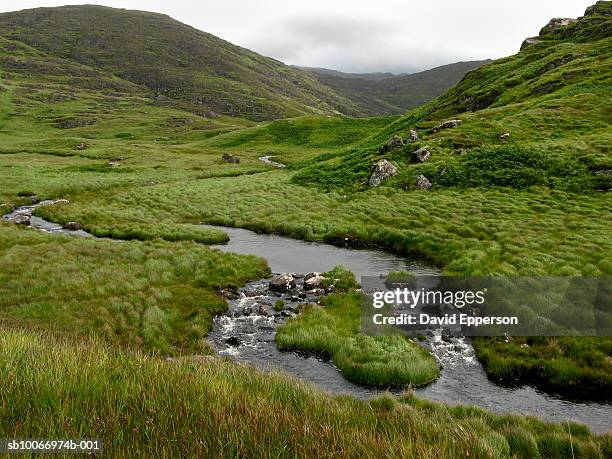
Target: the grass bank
(142, 406)
(159, 295)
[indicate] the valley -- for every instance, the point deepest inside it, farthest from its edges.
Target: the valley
(120, 333)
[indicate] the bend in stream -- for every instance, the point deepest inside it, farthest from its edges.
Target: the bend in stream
(462, 381)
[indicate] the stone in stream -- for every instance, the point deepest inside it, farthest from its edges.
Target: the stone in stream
(382, 171)
(313, 281)
(282, 283)
(20, 219)
(35, 199)
(233, 341)
(73, 226)
(421, 155)
(446, 125)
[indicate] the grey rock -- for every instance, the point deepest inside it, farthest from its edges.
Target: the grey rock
(313, 282)
(282, 283)
(556, 24)
(35, 199)
(421, 155)
(422, 182)
(413, 137)
(381, 171)
(393, 143)
(529, 41)
(228, 158)
(233, 341)
(446, 125)
(73, 226)
(21, 219)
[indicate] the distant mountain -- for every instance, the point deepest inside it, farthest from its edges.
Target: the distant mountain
(184, 66)
(386, 94)
(366, 76)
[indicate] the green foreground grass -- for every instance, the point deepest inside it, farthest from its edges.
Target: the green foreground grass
(143, 406)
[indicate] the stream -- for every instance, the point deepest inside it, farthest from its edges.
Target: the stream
(250, 324)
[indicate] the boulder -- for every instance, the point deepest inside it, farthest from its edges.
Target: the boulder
(282, 283)
(21, 219)
(81, 146)
(34, 199)
(73, 226)
(382, 171)
(421, 155)
(504, 136)
(309, 275)
(556, 24)
(529, 41)
(413, 137)
(313, 282)
(422, 182)
(228, 158)
(233, 341)
(446, 125)
(393, 143)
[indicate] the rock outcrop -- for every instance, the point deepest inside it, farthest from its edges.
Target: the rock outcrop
(421, 155)
(422, 182)
(382, 171)
(446, 125)
(393, 143)
(413, 136)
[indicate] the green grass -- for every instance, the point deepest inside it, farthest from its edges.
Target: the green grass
(574, 367)
(332, 331)
(158, 296)
(142, 406)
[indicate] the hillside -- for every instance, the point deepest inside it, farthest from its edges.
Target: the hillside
(388, 94)
(551, 98)
(205, 74)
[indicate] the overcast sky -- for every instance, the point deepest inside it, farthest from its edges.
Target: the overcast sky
(357, 35)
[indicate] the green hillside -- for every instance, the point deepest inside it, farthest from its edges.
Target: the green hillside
(195, 70)
(385, 94)
(552, 98)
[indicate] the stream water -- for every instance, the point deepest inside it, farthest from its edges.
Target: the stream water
(251, 321)
(250, 324)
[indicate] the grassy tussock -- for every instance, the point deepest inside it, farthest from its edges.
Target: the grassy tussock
(332, 331)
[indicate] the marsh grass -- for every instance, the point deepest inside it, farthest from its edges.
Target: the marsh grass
(332, 331)
(158, 296)
(143, 406)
